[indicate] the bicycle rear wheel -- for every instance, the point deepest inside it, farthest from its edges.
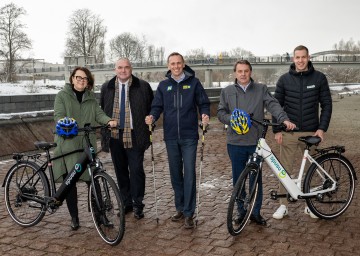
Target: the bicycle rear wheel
(23, 183)
(334, 203)
(242, 200)
(109, 218)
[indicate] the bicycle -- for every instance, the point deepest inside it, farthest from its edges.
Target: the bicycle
(328, 186)
(30, 193)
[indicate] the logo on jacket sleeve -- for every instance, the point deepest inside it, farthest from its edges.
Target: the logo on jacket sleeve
(169, 88)
(186, 86)
(311, 86)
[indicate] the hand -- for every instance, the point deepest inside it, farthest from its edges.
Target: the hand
(320, 133)
(278, 138)
(289, 125)
(112, 123)
(204, 119)
(149, 119)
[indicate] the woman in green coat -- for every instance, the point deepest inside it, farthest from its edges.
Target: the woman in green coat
(76, 100)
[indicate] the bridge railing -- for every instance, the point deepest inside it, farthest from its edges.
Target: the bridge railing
(207, 61)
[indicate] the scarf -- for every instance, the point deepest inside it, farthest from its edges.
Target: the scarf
(116, 115)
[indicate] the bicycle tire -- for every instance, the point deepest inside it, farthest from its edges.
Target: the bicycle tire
(244, 196)
(331, 204)
(109, 220)
(24, 179)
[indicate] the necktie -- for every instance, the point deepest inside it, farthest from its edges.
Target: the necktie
(122, 107)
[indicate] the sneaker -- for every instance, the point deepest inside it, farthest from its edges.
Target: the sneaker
(280, 212)
(308, 212)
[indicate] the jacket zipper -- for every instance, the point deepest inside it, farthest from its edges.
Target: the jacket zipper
(301, 100)
(178, 108)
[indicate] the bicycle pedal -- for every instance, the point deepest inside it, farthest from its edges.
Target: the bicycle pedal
(274, 195)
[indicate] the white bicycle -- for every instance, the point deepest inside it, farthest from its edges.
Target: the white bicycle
(328, 187)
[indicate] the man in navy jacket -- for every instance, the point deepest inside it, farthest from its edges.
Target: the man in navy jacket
(180, 97)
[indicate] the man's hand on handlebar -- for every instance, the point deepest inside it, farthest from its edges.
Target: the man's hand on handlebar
(289, 125)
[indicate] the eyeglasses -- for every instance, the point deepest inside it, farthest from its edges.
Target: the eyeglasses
(79, 78)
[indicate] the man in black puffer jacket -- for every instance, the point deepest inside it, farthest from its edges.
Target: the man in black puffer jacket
(301, 92)
(128, 145)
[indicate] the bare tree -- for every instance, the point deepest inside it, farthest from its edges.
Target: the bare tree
(151, 53)
(12, 38)
(239, 52)
(129, 46)
(86, 36)
(350, 45)
(195, 54)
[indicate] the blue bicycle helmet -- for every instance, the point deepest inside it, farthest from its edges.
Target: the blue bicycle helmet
(67, 127)
(240, 121)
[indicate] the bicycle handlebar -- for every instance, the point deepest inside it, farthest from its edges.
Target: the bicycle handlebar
(266, 123)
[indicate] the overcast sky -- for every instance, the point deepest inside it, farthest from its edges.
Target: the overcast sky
(263, 27)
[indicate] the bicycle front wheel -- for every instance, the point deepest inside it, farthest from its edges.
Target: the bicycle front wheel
(242, 200)
(334, 203)
(23, 184)
(108, 213)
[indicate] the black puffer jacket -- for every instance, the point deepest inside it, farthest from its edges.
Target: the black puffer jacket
(301, 94)
(140, 97)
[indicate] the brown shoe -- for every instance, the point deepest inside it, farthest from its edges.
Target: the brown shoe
(189, 223)
(177, 216)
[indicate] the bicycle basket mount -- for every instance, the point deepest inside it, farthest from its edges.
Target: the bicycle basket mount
(67, 127)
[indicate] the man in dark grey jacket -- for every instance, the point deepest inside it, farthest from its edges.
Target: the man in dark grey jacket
(301, 92)
(252, 98)
(127, 145)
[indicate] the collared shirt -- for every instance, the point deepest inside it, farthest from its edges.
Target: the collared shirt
(182, 76)
(243, 87)
(126, 90)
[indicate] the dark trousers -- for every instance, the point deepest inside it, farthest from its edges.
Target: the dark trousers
(72, 202)
(239, 156)
(129, 170)
(182, 162)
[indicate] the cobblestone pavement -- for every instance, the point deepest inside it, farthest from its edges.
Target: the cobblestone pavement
(296, 234)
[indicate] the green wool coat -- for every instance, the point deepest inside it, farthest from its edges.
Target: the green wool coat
(88, 111)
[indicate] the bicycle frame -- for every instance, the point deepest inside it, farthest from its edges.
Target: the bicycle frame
(293, 186)
(86, 160)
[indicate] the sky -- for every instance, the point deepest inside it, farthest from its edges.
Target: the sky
(263, 27)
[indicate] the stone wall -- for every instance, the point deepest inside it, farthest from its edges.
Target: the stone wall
(19, 133)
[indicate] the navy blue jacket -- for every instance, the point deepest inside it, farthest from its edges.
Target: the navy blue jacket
(179, 103)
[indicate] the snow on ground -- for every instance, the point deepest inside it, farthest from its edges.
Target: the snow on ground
(28, 87)
(53, 86)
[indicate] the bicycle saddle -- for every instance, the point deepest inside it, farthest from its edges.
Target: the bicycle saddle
(310, 140)
(44, 145)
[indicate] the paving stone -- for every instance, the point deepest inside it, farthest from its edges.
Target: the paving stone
(297, 234)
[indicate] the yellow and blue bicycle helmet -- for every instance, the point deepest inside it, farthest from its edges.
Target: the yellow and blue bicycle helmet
(67, 127)
(240, 121)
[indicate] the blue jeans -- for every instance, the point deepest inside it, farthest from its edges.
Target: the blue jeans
(239, 156)
(182, 161)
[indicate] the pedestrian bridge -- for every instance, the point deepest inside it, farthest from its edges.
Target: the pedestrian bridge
(104, 71)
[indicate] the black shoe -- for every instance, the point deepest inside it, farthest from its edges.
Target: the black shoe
(128, 208)
(258, 219)
(239, 218)
(138, 213)
(177, 216)
(75, 223)
(189, 223)
(105, 221)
